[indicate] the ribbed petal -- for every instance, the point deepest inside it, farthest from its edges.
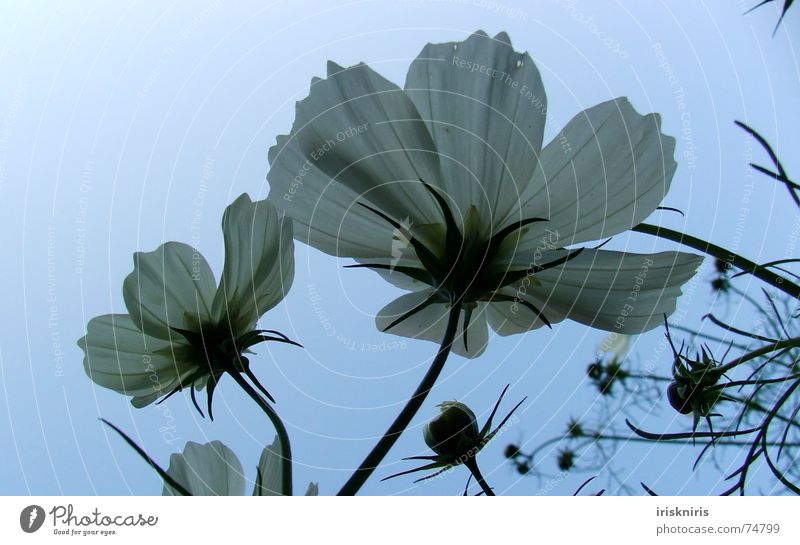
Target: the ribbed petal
(431, 322)
(485, 106)
(606, 172)
(259, 262)
(615, 291)
(209, 469)
(269, 467)
(165, 286)
(360, 131)
(118, 356)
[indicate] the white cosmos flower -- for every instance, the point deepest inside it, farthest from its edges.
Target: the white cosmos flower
(212, 469)
(183, 330)
(443, 187)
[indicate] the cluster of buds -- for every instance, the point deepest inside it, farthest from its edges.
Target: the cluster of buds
(606, 375)
(522, 462)
(565, 460)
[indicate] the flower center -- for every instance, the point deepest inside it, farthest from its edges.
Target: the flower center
(217, 351)
(463, 270)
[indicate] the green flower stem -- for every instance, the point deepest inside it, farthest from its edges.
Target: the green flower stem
(706, 336)
(280, 429)
(721, 253)
(763, 351)
(472, 465)
(381, 449)
(681, 442)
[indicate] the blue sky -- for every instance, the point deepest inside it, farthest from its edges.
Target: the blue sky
(122, 127)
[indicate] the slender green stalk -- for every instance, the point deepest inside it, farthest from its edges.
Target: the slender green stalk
(763, 351)
(381, 449)
(280, 429)
(628, 438)
(707, 336)
(472, 465)
(719, 252)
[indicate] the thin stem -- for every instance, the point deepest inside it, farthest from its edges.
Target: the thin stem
(472, 465)
(280, 429)
(627, 438)
(381, 449)
(721, 253)
(649, 377)
(707, 336)
(758, 407)
(763, 351)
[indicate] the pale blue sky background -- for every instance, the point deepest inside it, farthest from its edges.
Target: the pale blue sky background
(123, 125)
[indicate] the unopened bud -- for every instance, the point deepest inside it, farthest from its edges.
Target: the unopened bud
(454, 432)
(680, 402)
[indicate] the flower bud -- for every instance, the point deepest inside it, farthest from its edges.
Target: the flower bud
(511, 451)
(721, 266)
(566, 460)
(454, 432)
(595, 370)
(680, 402)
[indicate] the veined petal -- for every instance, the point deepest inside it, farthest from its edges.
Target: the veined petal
(259, 262)
(167, 284)
(359, 130)
(209, 469)
(615, 291)
(603, 174)
(390, 268)
(485, 106)
(324, 211)
(509, 318)
(118, 356)
(269, 469)
(430, 323)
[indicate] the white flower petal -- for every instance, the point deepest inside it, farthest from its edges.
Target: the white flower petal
(167, 284)
(606, 172)
(405, 258)
(118, 356)
(313, 489)
(616, 291)
(269, 467)
(259, 262)
(430, 323)
(477, 334)
(209, 469)
(485, 106)
(509, 318)
(358, 130)
(324, 211)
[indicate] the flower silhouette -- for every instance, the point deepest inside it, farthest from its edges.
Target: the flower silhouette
(443, 187)
(456, 439)
(212, 469)
(183, 330)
